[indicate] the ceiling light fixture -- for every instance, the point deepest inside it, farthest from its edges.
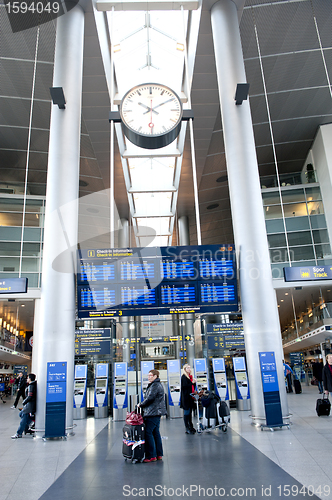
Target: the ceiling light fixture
(211, 207)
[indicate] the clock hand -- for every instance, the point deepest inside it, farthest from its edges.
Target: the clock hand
(148, 109)
(151, 125)
(169, 100)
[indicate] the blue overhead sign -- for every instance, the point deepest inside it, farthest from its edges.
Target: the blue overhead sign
(14, 285)
(308, 273)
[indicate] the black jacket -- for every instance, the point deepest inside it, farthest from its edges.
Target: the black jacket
(29, 404)
(327, 378)
(186, 401)
(317, 371)
(154, 401)
(21, 383)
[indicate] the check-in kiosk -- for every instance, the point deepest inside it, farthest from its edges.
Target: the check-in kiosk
(242, 384)
(80, 388)
(146, 366)
(101, 390)
(174, 387)
(201, 374)
(220, 378)
(120, 391)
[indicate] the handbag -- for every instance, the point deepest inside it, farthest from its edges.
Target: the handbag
(134, 418)
(314, 381)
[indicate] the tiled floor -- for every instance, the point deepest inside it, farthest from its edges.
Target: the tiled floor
(89, 465)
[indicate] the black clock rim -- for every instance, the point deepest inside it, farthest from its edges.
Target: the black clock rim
(133, 134)
(153, 142)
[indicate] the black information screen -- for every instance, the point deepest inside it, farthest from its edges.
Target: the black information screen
(156, 280)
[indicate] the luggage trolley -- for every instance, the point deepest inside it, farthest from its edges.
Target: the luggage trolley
(212, 413)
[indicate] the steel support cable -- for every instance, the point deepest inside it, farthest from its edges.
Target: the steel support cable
(272, 135)
(28, 149)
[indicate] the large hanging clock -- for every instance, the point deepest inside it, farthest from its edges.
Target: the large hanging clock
(151, 115)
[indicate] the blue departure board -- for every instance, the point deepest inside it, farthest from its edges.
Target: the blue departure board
(216, 293)
(137, 270)
(102, 271)
(93, 298)
(212, 269)
(178, 293)
(173, 270)
(156, 280)
(133, 296)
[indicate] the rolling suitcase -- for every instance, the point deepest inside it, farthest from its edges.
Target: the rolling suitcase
(133, 437)
(323, 406)
(224, 414)
(133, 442)
(297, 386)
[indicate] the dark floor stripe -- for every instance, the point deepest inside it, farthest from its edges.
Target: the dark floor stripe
(212, 465)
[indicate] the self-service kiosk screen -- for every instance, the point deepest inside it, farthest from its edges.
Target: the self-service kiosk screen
(79, 385)
(120, 382)
(174, 383)
(101, 383)
(220, 379)
(241, 378)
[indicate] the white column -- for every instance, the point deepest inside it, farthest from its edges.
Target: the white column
(57, 306)
(124, 321)
(259, 305)
(188, 330)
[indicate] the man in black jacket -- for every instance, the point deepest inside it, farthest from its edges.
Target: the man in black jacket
(21, 385)
(29, 406)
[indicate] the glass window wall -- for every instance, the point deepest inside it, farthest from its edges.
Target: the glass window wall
(307, 235)
(14, 212)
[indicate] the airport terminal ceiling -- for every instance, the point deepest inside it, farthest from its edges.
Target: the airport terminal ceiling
(293, 64)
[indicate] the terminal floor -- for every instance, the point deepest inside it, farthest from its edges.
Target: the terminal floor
(90, 465)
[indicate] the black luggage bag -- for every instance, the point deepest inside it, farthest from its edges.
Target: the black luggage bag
(323, 406)
(133, 446)
(297, 386)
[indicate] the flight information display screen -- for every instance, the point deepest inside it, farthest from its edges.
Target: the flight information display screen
(156, 280)
(133, 296)
(178, 294)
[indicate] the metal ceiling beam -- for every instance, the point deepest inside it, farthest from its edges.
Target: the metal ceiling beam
(147, 5)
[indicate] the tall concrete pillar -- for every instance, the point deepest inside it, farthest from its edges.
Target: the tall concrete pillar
(124, 321)
(56, 322)
(124, 234)
(189, 319)
(259, 305)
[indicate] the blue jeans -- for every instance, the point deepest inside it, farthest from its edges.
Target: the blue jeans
(24, 424)
(320, 386)
(153, 444)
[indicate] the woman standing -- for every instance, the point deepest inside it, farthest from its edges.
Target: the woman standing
(154, 406)
(327, 375)
(188, 386)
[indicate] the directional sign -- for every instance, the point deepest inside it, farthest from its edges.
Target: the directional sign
(308, 273)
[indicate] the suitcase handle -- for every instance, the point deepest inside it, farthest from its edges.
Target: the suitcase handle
(326, 396)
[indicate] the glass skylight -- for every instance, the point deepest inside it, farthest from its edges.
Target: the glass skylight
(151, 173)
(148, 48)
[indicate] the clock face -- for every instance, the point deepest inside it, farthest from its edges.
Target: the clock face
(151, 115)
